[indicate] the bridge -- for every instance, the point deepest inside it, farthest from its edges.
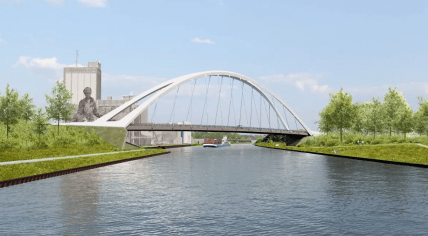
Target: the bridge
(211, 95)
(213, 128)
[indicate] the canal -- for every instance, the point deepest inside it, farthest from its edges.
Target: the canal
(237, 190)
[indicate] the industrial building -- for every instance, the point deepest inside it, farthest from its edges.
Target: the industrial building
(78, 78)
(105, 106)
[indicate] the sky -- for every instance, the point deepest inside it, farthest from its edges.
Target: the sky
(300, 50)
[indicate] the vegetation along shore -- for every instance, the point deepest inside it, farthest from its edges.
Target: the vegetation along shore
(386, 130)
(25, 134)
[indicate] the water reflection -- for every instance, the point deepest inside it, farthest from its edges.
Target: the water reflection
(375, 192)
(349, 177)
(79, 206)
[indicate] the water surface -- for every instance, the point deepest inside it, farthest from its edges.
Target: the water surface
(237, 190)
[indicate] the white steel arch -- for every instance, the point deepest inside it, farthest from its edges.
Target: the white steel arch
(165, 87)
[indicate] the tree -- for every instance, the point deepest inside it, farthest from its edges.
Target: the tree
(326, 121)
(363, 114)
(421, 123)
(358, 124)
(421, 117)
(58, 108)
(394, 102)
(376, 114)
(343, 112)
(40, 123)
(27, 107)
(10, 109)
(404, 122)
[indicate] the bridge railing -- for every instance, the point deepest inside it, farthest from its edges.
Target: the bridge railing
(213, 126)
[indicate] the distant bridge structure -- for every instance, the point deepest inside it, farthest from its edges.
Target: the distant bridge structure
(264, 121)
(212, 128)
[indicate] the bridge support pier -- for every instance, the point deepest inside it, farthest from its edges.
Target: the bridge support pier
(115, 136)
(289, 139)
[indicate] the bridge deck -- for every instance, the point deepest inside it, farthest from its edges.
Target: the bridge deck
(203, 128)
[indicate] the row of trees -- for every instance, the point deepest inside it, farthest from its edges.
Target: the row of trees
(392, 115)
(13, 108)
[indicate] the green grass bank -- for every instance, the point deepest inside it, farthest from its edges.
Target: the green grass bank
(54, 151)
(29, 169)
(403, 152)
(24, 144)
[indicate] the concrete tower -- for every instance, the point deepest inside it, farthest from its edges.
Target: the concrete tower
(78, 78)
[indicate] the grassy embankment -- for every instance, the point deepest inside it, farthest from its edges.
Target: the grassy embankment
(54, 151)
(197, 144)
(396, 149)
(29, 169)
(231, 142)
(22, 144)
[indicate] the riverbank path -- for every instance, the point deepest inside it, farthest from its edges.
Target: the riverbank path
(425, 146)
(66, 157)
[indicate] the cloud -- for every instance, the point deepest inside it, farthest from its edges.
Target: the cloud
(117, 85)
(411, 92)
(41, 63)
(43, 68)
(204, 41)
(93, 3)
(303, 81)
(47, 66)
(1, 40)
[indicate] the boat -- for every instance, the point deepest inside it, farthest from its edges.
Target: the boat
(216, 142)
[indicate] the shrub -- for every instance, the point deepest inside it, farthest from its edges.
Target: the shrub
(22, 137)
(401, 140)
(62, 141)
(8, 144)
(332, 142)
(93, 140)
(41, 145)
(393, 139)
(348, 140)
(376, 141)
(421, 139)
(309, 142)
(72, 131)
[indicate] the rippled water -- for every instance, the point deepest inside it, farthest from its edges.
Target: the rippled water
(238, 190)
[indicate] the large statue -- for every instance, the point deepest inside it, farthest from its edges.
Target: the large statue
(87, 108)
